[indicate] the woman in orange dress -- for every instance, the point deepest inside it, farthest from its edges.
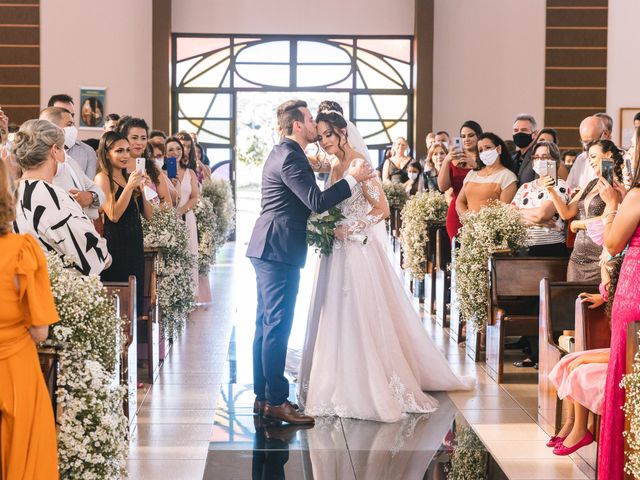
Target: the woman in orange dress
(27, 430)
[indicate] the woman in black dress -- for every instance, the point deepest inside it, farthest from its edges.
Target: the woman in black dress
(121, 211)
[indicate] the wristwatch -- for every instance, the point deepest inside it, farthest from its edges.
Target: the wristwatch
(96, 199)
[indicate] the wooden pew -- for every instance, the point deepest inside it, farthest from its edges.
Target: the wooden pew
(124, 294)
(149, 323)
(513, 301)
(560, 308)
(443, 276)
(432, 268)
(49, 357)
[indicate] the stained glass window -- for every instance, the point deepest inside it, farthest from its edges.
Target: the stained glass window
(209, 71)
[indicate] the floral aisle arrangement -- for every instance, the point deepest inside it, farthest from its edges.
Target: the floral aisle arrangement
(631, 385)
(218, 192)
(418, 213)
(397, 196)
(176, 292)
(495, 227)
(207, 224)
(93, 439)
(470, 458)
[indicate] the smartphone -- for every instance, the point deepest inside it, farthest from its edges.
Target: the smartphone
(552, 171)
(457, 143)
(607, 171)
(172, 168)
(627, 161)
(140, 165)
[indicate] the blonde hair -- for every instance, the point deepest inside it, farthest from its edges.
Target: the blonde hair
(34, 141)
(7, 204)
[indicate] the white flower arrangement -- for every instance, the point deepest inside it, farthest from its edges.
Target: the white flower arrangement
(396, 194)
(631, 385)
(176, 292)
(495, 227)
(469, 460)
(218, 192)
(93, 438)
(418, 213)
(206, 221)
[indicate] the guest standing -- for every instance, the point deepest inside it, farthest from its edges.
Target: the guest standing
(395, 167)
(493, 181)
(122, 210)
(47, 212)
(28, 447)
(457, 164)
(187, 185)
(621, 227)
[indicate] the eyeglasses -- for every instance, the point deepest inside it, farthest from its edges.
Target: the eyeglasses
(541, 157)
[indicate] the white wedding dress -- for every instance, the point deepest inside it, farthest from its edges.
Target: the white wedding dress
(366, 353)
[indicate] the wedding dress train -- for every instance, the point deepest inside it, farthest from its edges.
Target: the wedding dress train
(366, 353)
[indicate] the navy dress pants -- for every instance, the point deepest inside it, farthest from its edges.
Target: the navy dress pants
(277, 292)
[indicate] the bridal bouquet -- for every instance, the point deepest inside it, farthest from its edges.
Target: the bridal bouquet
(321, 230)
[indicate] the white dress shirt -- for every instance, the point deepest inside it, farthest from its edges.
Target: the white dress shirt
(85, 157)
(581, 172)
(70, 175)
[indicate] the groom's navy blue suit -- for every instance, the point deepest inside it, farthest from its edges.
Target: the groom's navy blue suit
(278, 249)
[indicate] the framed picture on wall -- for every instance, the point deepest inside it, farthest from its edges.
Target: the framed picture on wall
(627, 128)
(91, 112)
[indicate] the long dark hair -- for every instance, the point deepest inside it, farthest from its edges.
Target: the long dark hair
(335, 121)
(636, 160)
(505, 158)
(107, 142)
(185, 137)
(177, 140)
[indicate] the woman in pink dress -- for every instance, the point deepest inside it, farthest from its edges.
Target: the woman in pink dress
(622, 226)
(454, 169)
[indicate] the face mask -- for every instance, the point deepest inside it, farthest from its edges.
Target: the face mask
(413, 175)
(70, 136)
(522, 139)
(489, 157)
(540, 167)
(159, 162)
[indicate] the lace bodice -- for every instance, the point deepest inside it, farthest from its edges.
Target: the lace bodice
(365, 207)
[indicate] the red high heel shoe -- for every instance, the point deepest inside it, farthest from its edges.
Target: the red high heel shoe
(555, 440)
(562, 450)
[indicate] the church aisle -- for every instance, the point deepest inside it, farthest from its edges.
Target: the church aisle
(197, 421)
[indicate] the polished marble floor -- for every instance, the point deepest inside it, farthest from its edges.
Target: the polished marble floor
(196, 421)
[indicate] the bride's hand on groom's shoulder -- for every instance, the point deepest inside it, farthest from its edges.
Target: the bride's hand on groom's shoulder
(361, 170)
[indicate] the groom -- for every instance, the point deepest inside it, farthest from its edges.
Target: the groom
(278, 249)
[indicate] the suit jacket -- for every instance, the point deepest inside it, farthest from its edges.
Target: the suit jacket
(289, 195)
(522, 167)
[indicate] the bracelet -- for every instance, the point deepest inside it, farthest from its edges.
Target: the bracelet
(610, 213)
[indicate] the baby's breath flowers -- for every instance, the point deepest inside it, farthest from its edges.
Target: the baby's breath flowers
(418, 213)
(206, 223)
(218, 192)
(176, 291)
(631, 385)
(495, 227)
(93, 437)
(396, 194)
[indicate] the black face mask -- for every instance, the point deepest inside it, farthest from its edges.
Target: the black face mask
(522, 139)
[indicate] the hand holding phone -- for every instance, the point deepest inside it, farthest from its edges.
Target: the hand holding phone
(606, 170)
(552, 171)
(140, 165)
(172, 168)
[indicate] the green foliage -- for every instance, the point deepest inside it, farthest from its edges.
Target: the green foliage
(321, 228)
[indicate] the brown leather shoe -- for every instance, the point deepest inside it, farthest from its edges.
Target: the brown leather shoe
(286, 413)
(258, 406)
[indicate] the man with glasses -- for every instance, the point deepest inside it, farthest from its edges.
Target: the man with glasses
(591, 129)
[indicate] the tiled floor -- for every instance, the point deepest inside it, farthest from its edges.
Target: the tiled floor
(196, 421)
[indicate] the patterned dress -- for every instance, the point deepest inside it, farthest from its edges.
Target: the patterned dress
(57, 221)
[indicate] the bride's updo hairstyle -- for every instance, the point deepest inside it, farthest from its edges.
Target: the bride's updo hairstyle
(34, 141)
(331, 113)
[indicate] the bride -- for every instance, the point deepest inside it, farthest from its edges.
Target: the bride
(366, 353)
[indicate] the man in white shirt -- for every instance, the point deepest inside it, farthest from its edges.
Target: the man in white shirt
(591, 129)
(70, 175)
(83, 154)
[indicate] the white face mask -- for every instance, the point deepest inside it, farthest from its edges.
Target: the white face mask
(70, 136)
(489, 157)
(540, 167)
(159, 162)
(413, 175)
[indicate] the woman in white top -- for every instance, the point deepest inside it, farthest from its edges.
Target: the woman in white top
(493, 181)
(48, 212)
(187, 185)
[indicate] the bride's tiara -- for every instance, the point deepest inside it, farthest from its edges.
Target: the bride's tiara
(332, 111)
